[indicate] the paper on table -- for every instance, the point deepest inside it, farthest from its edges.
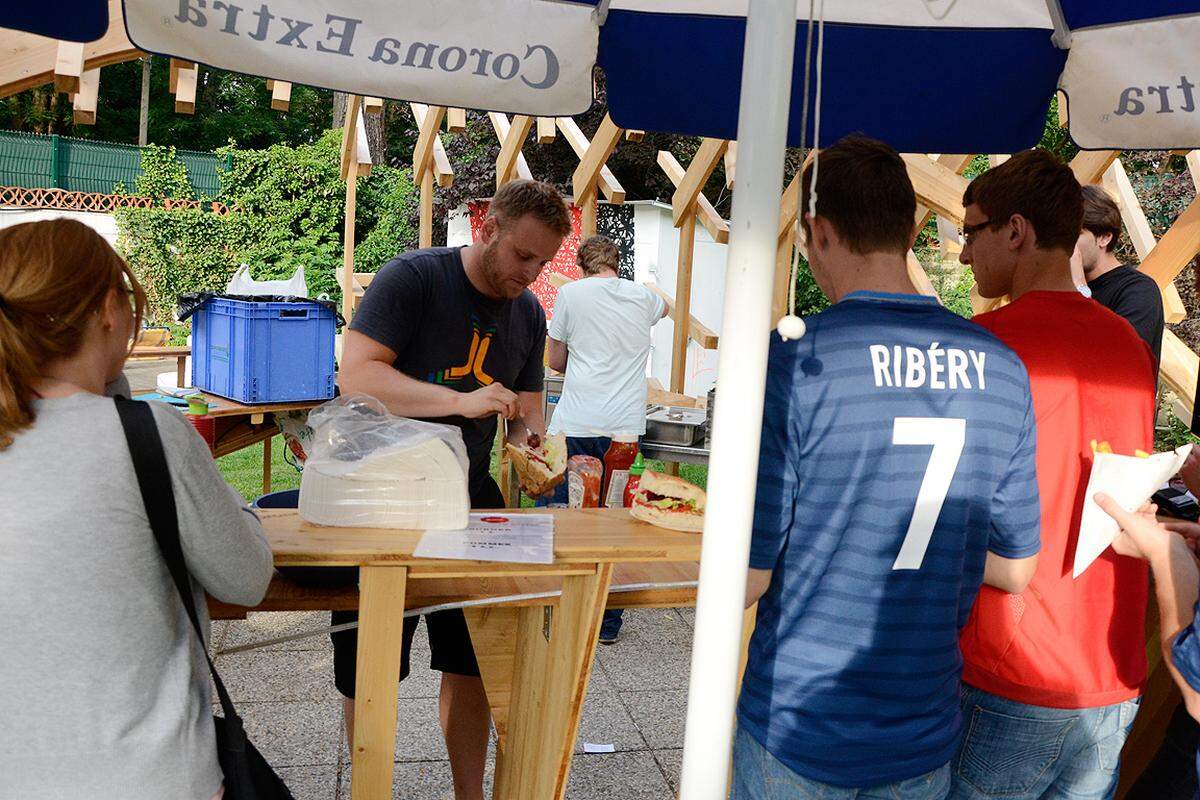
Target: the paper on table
(495, 536)
(1128, 480)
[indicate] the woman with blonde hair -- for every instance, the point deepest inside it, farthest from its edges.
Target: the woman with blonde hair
(105, 686)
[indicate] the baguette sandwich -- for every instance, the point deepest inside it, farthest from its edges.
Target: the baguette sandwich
(540, 468)
(669, 502)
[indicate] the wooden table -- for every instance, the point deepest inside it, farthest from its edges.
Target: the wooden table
(180, 354)
(535, 657)
(238, 426)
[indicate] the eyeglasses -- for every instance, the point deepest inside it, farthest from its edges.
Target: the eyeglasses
(967, 231)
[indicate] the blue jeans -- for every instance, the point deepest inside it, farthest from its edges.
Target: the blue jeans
(1016, 751)
(595, 446)
(758, 775)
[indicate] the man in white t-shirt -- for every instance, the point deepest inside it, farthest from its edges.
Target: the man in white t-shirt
(600, 337)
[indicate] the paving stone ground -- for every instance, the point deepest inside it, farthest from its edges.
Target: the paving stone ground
(635, 703)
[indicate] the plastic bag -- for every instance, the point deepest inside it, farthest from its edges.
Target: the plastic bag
(242, 283)
(369, 468)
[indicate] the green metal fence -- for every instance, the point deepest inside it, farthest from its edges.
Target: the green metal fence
(35, 161)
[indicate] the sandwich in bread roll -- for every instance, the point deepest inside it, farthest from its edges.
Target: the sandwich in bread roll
(669, 502)
(540, 468)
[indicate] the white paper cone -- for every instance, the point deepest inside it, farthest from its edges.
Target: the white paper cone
(1128, 480)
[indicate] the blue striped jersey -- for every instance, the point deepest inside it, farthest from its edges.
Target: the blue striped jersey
(897, 450)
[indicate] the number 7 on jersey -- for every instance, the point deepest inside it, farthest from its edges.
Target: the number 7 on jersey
(947, 437)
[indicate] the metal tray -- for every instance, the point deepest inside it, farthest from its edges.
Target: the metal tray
(674, 425)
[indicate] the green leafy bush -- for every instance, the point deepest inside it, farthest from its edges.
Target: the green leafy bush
(286, 211)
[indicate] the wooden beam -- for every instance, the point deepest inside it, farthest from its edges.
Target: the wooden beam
(349, 146)
(955, 162)
(697, 332)
(545, 130)
(1089, 166)
(174, 67)
(938, 187)
(698, 173)
(1063, 121)
(456, 120)
(683, 303)
(510, 149)
(716, 226)
(609, 187)
(442, 170)
(587, 174)
(789, 203)
(502, 126)
(373, 105)
(350, 136)
(84, 102)
(423, 151)
(730, 164)
(362, 147)
(68, 67)
(996, 159)
(918, 276)
(1177, 247)
(784, 254)
(1116, 182)
(1178, 370)
(634, 136)
(1193, 162)
(589, 220)
(185, 90)
(281, 95)
(426, 228)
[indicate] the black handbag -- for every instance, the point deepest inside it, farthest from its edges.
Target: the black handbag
(248, 776)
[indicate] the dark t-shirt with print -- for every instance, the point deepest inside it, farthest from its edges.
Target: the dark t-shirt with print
(444, 331)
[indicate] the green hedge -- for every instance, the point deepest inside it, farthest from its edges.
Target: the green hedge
(286, 210)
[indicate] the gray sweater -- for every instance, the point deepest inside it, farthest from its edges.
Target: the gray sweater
(104, 692)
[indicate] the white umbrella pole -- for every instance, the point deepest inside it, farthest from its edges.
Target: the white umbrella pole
(754, 231)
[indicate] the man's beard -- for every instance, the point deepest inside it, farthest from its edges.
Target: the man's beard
(490, 270)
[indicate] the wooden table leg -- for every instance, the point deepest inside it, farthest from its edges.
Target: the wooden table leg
(380, 630)
(266, 466)
(180, 362)
(553, 663)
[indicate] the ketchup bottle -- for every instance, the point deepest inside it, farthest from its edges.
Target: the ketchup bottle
(635, 477)
(617, 461)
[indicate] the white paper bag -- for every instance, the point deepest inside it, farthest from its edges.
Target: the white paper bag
(242, 283)
(1128, 480)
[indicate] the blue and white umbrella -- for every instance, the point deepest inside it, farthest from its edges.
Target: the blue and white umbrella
(952, 76)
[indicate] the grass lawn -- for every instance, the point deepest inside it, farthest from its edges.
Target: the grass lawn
(243, 470)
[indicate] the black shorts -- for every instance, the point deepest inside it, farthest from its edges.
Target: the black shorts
(449, 638)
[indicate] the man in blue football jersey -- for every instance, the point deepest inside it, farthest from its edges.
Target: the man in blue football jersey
(896, 475)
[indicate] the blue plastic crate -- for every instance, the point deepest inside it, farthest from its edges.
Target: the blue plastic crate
(256, 352)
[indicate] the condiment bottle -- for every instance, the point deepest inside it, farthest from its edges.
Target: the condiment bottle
(617, 461)
(635, 477)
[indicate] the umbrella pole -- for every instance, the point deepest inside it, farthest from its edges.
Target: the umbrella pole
(741, 375)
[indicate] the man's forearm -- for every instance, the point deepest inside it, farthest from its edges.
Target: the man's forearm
(1176, 585)
(403, 395)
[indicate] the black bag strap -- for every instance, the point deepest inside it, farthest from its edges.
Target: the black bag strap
(154, 480)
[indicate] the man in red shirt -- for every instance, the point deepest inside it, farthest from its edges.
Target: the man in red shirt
(1052, 676)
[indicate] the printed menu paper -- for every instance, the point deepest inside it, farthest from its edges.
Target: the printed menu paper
(495, 536)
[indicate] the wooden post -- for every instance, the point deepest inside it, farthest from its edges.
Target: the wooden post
(442, 171)
(683, 303)
(84, 102)
(456, 120)
(185, 90)
(281, 95)
(1089, 166)
(266, 484)
(68, 67)
(349, 171)
(730, 164)
(373, 105)
(590, 212)
(426, 233)
(545, 130)
(607, 182)
(380, 630)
